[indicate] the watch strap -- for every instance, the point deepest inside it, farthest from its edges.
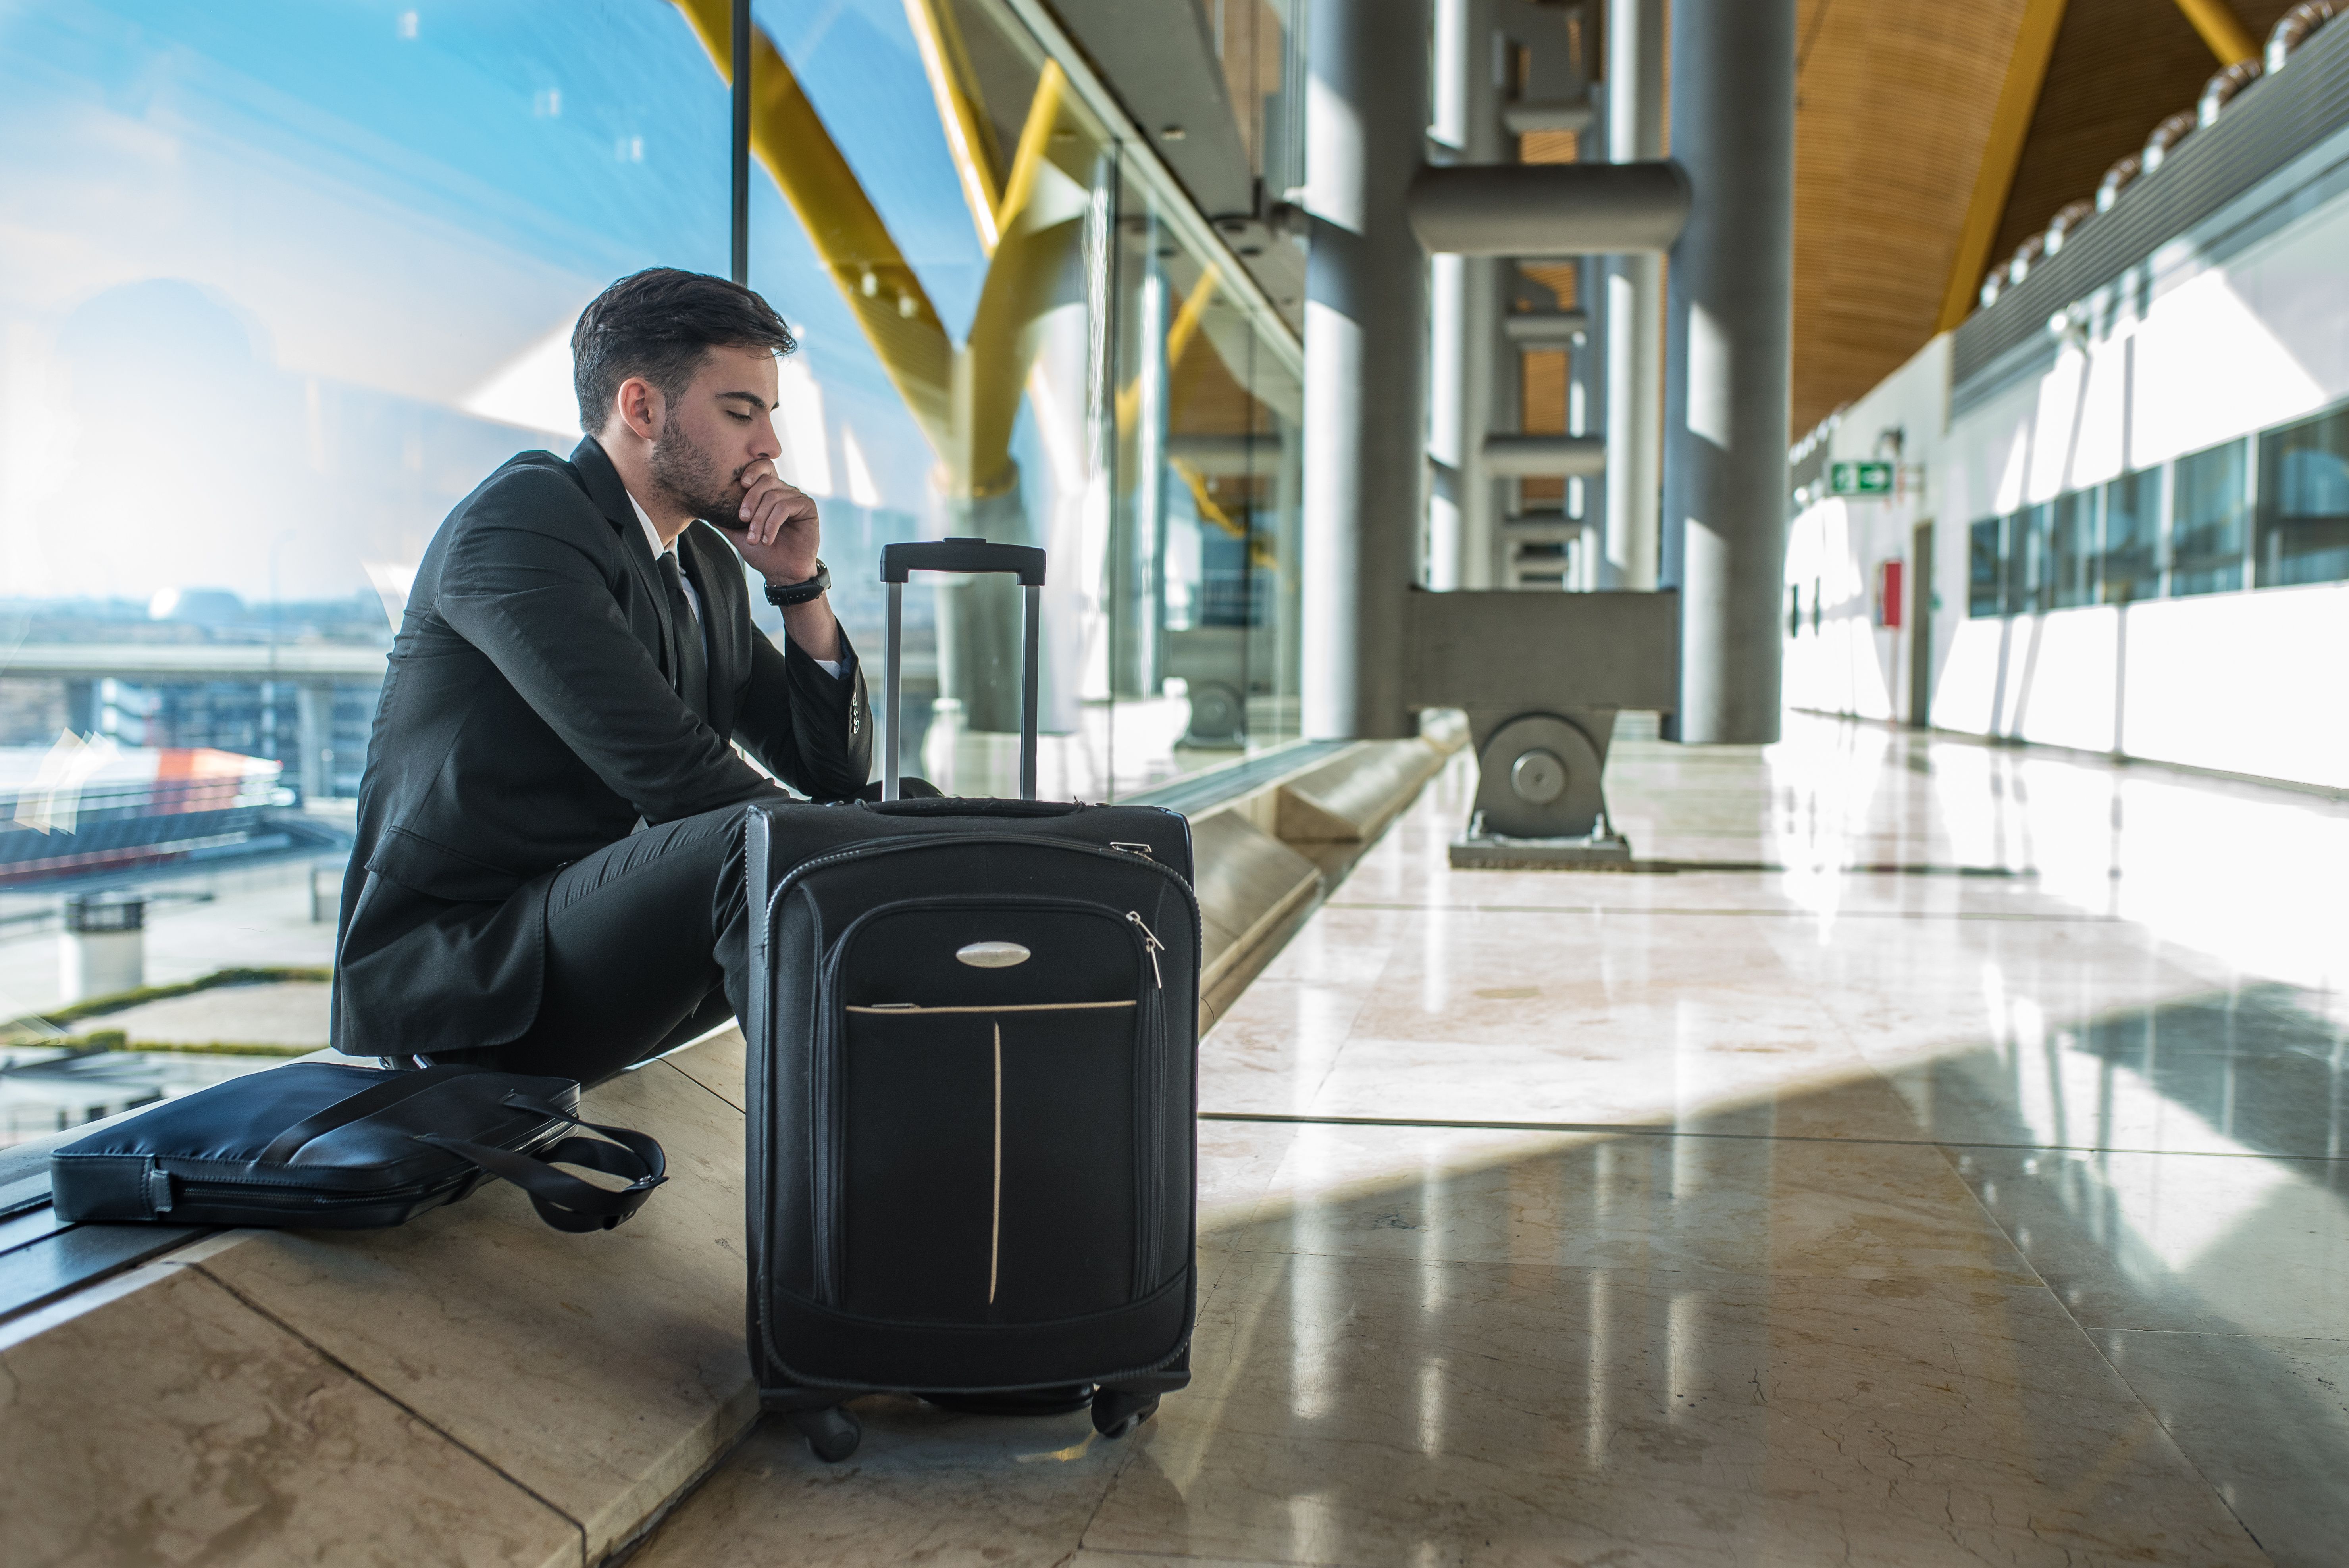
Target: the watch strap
(783, 595)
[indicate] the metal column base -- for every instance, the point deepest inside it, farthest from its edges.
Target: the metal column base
(1602, 848)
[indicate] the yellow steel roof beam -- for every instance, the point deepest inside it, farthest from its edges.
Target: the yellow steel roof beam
(1194, 306)
(848, 235)
(970, 139)
(2018, 98)
(1042, 220)
(2220, 29)
(1260, 551)
(1179, 333)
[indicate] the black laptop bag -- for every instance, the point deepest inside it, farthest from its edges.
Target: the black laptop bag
(326, 1145)
(972, 1076)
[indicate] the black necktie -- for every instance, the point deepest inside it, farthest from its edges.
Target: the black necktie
(692, 657)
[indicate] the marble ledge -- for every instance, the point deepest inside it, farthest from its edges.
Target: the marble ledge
(166, 1420)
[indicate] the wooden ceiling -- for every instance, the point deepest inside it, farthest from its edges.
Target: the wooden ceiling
(1893, 104)
(2118, 67)
(1897, 102)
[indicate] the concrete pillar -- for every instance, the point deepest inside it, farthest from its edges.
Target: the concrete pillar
(313, 711)
(1365, 359)
(103, 947)
(1634, 306)
(1465, 309)
(81, 707)
(1589, 413)
(1450, 440)
(1726, 360)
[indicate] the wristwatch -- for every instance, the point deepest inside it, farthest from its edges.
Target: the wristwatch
(784, 596)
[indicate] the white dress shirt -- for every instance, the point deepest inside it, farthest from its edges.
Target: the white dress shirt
(835, 669)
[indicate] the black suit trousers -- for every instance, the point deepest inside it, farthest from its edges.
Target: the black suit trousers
(647, 945)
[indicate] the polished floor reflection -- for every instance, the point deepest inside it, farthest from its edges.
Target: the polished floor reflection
(1991, 1210)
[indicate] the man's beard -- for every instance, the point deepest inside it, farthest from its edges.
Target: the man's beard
(694, 483)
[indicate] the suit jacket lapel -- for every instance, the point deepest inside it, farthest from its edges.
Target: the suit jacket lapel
(603, 486)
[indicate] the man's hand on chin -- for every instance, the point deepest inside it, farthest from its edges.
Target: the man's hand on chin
(776, 529)
(776, 532)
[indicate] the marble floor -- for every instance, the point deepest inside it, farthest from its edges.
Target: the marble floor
(1989, 1211)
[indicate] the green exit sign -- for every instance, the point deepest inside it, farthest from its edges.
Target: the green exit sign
(1860, 478)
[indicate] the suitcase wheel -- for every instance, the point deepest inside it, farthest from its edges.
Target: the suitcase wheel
(1117, 1413)
(831, 1434)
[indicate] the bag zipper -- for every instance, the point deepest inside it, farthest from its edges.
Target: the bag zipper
(299, 1199)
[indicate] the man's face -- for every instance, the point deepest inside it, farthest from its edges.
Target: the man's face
(715, 431)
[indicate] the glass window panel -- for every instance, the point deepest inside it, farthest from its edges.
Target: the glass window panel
(2303, 529)
(296, 277)
(2131, 567)
(1255, 40)
(2026, 566)
(1203, 560)
(1985, 594)
(936, 214)
(2206, 522)
(2072, 548)
(366, 231)
(1017, 345)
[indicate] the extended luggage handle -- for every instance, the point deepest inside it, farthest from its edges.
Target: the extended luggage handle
(1025, 562)
(963, 553)
(567, 1202)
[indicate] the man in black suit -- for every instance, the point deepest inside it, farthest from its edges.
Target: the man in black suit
(548, 877)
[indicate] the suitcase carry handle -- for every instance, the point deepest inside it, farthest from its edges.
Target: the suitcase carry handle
(962, 554)
(899, 561)
(953, 805)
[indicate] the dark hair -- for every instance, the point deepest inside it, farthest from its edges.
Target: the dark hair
(658, 324)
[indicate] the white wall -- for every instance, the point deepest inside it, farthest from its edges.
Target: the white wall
(1834, 547)
(2245, 683)
(2248, 682)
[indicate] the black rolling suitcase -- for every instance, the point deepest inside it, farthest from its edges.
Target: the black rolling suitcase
(972, 1076)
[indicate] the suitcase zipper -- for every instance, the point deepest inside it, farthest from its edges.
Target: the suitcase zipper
(1154, 947)
(897, 845)
(1150, 1135)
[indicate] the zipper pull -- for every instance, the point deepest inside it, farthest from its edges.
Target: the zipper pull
(1150, 945)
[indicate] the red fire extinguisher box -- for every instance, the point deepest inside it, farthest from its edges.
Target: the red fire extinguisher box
(1888, 597)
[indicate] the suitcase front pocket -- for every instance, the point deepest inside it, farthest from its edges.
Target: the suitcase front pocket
(988, 1161)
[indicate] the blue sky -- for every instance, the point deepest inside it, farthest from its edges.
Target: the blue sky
(388, 202)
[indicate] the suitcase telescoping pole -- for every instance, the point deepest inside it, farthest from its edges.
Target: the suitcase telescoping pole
(1025, 562)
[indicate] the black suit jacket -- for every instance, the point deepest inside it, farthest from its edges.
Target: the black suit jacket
(528, 717)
